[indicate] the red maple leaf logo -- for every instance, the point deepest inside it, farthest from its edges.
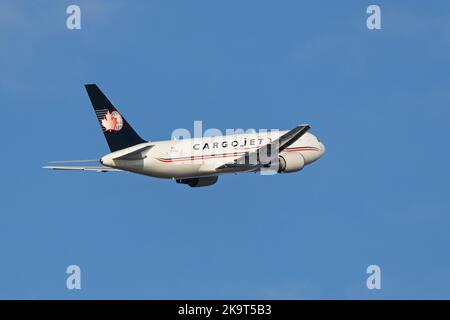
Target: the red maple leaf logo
(109, 122)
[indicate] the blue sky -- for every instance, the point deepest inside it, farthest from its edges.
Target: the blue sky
(379, 100)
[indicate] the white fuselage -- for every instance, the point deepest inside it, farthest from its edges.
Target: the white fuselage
(199, 157)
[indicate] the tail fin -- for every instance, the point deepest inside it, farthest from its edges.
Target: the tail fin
(118, 133)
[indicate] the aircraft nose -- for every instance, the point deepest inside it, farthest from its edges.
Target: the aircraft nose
(322, 148)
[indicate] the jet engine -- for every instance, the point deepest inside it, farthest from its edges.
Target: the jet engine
(290, 162)
(198, 182)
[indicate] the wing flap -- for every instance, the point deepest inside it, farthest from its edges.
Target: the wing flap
(232, 166)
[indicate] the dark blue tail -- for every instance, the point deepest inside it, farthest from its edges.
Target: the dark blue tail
(118, 133)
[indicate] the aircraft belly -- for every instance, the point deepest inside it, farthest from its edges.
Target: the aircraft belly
(159, 169)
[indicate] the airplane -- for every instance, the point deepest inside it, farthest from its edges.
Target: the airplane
(197, 162)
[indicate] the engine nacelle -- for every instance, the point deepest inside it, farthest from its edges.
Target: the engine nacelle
(290, 162)
(198, 182)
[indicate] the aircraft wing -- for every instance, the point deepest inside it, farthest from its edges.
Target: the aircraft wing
(82, 168)
(253, 160)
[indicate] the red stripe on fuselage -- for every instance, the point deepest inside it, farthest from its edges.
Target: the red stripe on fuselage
(227, 155)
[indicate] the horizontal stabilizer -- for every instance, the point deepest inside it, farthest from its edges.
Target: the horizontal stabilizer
(96, 169)
(75, 161)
